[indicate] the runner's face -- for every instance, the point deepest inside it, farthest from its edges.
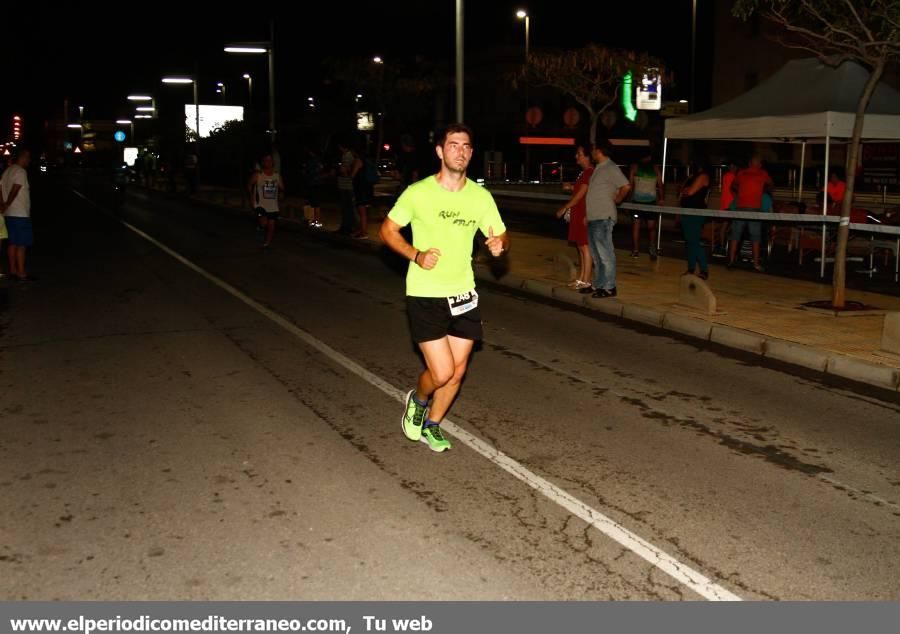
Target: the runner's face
(267, 163)
(456, 152)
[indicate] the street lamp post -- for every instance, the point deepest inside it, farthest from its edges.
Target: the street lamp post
(249, 90)
(522, 14)
(460, 79)
(379, 104)
(188, 80)
(79, 127)
(143, 109)
(128, 122)
(269, 49)
(693, 102)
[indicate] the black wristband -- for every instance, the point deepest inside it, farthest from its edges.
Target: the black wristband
(416, 258)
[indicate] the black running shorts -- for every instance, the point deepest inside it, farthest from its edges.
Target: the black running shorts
(430, 319)
(268, 215)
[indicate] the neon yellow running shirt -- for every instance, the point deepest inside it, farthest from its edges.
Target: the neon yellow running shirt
(446, 221)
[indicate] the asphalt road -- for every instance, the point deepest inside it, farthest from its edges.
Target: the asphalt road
(233, 433)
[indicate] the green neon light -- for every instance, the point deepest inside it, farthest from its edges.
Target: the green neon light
(627, 97)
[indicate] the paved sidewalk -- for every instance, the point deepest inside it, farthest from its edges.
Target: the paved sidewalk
(757, 313)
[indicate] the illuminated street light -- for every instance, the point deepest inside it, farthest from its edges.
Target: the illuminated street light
(187, 80)
(258, 48)
(249, 89)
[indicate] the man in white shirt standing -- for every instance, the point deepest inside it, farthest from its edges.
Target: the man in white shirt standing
(15, 203)
(607, 189)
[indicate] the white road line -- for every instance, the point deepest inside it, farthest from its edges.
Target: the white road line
(682, 573)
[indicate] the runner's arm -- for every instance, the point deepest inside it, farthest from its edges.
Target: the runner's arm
(497, 245)
(391, 236)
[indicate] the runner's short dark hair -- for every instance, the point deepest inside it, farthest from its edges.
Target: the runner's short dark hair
(454, 128)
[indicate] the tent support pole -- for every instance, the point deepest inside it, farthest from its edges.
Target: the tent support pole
(825, 204)
(659, 220)
(802, 165)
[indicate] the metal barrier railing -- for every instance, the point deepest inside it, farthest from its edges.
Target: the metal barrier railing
(809, 219)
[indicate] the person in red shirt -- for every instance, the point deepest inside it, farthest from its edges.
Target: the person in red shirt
(836, 188)
(749, 186)
(577, 219)
(720, 227)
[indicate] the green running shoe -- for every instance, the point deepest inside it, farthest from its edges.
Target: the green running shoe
(413, 417)
(435, 439)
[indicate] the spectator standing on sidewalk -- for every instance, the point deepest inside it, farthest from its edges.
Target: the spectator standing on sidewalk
(191, 161)
(749, 186)
(4, 234)
(693, 196)
(363, 191)
(313, 175)
(577, 219)
(646, 189)
(345, 189)
(15, 203)
(608, 188)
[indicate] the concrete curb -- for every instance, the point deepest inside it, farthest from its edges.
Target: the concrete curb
(862, 371)
(544, 289)
(797, 354)
(509, 280)
(737, 338)
(606, 306)
(567, 295)
(690, 326)
(643, 314)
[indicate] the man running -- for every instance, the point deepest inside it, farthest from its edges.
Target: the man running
(266, 189)
(445, 211)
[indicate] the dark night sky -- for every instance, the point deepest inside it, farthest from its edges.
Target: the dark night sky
(97, 56)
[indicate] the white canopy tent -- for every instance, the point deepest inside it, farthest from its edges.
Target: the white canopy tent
(804, 102)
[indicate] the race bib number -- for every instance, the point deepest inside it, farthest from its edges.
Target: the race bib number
(461, 304)
(270, 190)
